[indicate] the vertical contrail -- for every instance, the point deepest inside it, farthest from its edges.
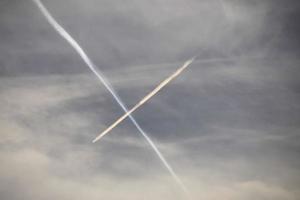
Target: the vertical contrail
(109, 87)
(225, 10)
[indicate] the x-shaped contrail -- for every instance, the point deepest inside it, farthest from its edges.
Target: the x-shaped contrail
(108, 86)
(145, 99)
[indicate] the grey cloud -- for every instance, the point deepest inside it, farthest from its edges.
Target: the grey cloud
(229, 125)
(155, 32)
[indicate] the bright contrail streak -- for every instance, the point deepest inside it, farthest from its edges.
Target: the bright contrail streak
(100, 76)
(145, 99)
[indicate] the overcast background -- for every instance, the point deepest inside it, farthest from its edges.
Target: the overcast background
(229, 125)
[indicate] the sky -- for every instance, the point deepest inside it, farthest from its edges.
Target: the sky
(229, 125)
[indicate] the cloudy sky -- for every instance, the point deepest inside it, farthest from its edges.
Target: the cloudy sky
(229, 125)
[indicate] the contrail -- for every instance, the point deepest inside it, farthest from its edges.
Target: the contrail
(109, 87)
(225, 9)
(145, 99)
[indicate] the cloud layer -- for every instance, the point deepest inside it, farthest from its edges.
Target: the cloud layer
(229, 125)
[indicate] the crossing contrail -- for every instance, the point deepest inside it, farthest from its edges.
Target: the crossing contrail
(108, 86)
(145, 99)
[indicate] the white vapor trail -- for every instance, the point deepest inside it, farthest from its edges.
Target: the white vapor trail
(109, 87)
(225, 9)
(146, 98)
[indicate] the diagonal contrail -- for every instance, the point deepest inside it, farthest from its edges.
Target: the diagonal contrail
(145, 99)
(108, 86)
